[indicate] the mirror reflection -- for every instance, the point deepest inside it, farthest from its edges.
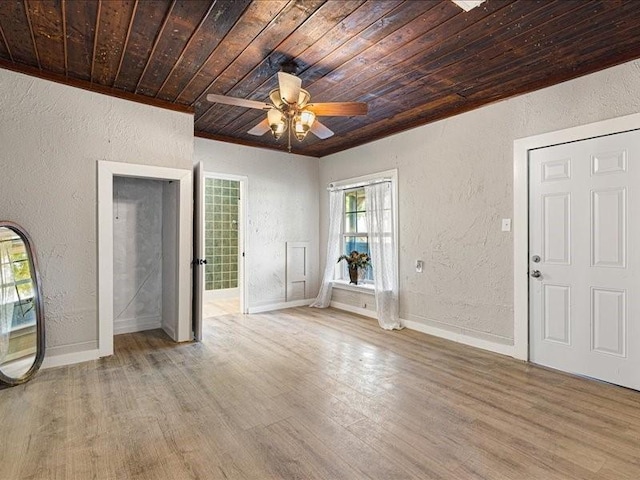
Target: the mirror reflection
(18, 308)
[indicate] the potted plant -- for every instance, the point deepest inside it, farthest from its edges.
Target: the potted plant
(356, 262)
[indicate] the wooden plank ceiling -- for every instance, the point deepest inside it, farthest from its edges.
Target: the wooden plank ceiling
(412, 61)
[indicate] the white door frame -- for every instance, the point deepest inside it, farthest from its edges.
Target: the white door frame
(106, 172)
(521, 148)
(242, 237)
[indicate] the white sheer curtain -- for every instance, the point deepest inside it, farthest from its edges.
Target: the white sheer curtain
(384, 260)
(336, 209)
(6, 298)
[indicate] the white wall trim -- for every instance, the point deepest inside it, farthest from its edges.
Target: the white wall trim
(106, 172)
(353, 309)
(52, 361)
(136, 324)
(457, 337)
(366, 289)
(281, 305)
(460, 337)
(521, 148)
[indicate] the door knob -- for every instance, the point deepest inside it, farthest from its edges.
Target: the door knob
(536, 274)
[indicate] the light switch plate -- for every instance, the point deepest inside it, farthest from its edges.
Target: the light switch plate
(419, 266)
(506, 224)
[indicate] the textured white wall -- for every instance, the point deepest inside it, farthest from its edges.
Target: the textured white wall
(137, 256)
(52, 136)
(283, 207)
(455, 184)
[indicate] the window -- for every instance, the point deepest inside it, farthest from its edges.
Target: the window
(354, 228)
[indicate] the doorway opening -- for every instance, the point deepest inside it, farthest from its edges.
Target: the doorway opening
(144, 235)
(224, 244)
(144, 257)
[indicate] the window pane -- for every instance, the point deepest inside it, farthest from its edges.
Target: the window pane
(350, 201)
(360, 200)
(350, 223)
(359, 244)
(362, 223)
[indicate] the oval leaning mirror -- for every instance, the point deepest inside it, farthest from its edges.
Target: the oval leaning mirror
(21, 314)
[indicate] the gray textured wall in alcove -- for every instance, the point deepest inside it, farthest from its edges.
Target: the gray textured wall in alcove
(137, 254)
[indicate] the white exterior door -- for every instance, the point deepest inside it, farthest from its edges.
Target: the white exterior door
(584, 262)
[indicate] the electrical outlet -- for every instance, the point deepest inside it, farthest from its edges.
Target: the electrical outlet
(419, 266)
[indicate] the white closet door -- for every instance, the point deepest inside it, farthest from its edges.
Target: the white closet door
(584, 262)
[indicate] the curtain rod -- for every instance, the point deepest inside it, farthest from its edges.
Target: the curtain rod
(334, 188)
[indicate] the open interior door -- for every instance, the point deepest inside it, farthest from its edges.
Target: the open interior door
(199, 260)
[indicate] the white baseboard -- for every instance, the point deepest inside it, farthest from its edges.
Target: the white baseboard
(169, 330)
(137, 324)
(353, 309)
(458, 336)
(51, 361)
(281, 306)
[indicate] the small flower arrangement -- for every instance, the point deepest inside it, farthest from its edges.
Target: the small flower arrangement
(356, 259)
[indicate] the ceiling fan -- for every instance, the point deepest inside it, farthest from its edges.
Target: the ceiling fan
(290, 110)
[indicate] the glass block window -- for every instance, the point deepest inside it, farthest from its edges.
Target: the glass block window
(221, 233)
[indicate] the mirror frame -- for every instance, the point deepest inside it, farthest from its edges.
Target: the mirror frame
(35, 276)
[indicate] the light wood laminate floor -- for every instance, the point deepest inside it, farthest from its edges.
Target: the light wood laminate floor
(220, 306)
(314, 394)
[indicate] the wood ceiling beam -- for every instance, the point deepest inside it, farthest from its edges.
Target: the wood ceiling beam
(95, 40)
(272, 34)
(226, 18)
(186, 47)
(25, 4)
(261, 78)
(6, 44)
(332, 49)
(155, 44)
(126, 42)
(64, 37)
(246, 40)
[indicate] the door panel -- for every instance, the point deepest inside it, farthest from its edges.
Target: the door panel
(556, 222)
(609, 326)
(198, 249)
(608, 227)
(583, 312)
(557, 301)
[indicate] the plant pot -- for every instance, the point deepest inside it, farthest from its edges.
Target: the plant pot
(353, 275)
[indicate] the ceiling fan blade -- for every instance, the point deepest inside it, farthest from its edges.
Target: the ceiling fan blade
(320, 131)
(261, 128)
(238, 102)
(289, 87)
(338, 109)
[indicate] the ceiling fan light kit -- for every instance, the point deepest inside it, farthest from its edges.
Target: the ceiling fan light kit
(290, 110)
(467, 5)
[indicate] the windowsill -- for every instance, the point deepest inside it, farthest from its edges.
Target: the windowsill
(367, 288)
